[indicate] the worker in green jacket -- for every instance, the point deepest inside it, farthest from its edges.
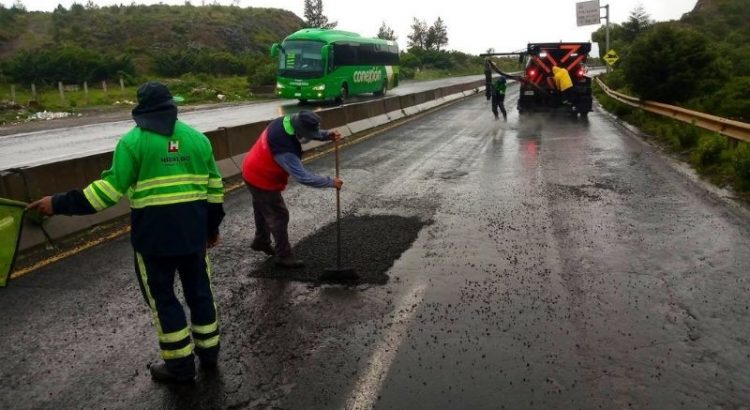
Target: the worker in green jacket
(498, 97)
(167, 171)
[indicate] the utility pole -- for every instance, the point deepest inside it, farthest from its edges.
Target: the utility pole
(606, 17)
(589, 13)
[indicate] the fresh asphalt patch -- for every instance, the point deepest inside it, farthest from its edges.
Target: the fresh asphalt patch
(370, 244)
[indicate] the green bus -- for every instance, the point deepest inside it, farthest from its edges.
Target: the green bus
(324, 64)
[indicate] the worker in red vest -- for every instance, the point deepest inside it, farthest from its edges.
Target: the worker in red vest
(275, 155)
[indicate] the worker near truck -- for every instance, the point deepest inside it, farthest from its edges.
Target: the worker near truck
(275, 156)
(488, 78)
(167, 170)
(498, 97)
(563, 83)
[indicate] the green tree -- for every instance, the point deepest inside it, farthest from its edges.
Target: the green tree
(314, 16)
(437, 35)
(263, 71)
(77, 8)
(418, 36)
(59, 16)
(616, 40)
(70, 65)
(671, 63)
(410, 60)
(386, 32)
(8, 23)
(637, 23)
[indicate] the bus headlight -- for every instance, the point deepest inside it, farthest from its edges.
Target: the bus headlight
(319, 87)
(279, 86)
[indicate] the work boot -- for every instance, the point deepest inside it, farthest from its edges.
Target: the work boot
(160, 373)
(264, 247)
(289, 262)
(209, 366)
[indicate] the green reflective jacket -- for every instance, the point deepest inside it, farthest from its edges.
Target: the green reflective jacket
(500, 87)
(152, 170)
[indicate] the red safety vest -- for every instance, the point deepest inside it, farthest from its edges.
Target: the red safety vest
(260, 170)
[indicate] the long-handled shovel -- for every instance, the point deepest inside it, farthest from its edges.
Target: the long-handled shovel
(339, 272)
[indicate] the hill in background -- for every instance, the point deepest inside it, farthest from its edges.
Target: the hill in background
(190, 38)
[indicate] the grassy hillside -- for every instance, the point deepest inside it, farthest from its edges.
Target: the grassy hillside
(727, 24)
(145, 32)
(140, 28)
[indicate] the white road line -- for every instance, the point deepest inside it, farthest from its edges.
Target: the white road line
(365, 392)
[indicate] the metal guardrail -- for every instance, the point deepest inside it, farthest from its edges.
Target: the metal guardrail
(733, 129)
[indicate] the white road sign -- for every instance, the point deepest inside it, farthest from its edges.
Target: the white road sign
(587, 13)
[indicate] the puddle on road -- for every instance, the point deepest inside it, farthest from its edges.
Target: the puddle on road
(369, 243)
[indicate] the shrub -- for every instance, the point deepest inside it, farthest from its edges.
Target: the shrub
(709, 150)
(263, 74)
(671, 63)
(687, 135)
(198, 61)
(406, 73)
(71, 65)
(409, 60)
(731, 100)
(741, 164)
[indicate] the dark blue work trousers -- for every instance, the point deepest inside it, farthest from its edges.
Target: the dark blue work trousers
(177, 340)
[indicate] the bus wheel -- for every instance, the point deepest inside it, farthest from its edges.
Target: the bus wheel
(341, 99)
(382, 90)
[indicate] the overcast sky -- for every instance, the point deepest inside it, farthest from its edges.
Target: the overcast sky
(473, 25)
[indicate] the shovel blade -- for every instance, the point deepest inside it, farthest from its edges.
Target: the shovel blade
(339, 274)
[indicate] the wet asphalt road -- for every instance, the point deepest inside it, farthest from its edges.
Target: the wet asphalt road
(554, 264)
(18, 149)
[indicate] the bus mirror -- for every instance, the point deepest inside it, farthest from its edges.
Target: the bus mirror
(274, 49)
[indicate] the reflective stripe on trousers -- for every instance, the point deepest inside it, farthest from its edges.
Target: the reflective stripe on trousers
(156, 277)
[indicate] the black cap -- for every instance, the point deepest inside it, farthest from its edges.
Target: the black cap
(156, 111)
(153, 93)
(306, 125)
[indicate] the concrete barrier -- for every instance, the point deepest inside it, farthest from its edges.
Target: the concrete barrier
(230, 146)
(408, 104)
(366, 115)
(27, 184)
(392, 108)
(12, 186)
(64, 175)
(424, 100)
(331, 118)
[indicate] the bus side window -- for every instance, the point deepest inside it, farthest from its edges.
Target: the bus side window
(344, 54)
(367, 54)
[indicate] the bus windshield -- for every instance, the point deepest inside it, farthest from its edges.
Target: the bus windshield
(301, 59)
